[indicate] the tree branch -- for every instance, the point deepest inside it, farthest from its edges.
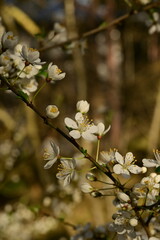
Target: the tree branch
(104, 27)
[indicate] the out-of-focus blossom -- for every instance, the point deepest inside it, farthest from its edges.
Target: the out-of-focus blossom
(28, 85)
(51, 155)
(52, 111)
(155, 27)
(8, 40)
(152, 162)
(66, 170)
(31, 56)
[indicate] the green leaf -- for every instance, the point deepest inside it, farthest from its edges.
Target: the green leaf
(157, 170)
(23, 95)
(84, 151)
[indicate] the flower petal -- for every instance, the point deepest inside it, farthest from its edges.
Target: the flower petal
(129, 158)
(75, 134)
(149, 162)
(119, 158)
(70, 123)
(50, 163)
(89, 136)
(135, 169)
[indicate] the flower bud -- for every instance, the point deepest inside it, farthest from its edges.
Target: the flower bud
(96, 194)
(83, 106)
(86, 188)
(144, 169)
(133, 222)
(123, 197)
(157, 179)
(91, 177)
(52, 111)
(153, 175)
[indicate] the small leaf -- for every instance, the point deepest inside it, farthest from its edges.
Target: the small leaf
(84, 151)
(23, 95)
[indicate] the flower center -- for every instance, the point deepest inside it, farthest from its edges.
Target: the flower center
(54, 110)
(58, 71)
(84, 124)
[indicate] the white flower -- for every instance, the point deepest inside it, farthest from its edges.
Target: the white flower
(54, 73)
(108, 156)
(28, 85)
(122, 225)
(58, 35)
(86, 188)
(126, 165)
(66, 170)
(81, 127)
(52, 111)
(28, 71)
(152, 162)
(151, 183)
(31, 56)
(101, 130)
(9, 41)
(51, 155)
(83, 106)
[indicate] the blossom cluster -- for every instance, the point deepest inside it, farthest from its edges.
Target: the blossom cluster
(134, 205)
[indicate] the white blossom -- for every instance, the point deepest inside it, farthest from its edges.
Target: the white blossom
(152, 162)
(52, 111)
(28, 71)
(126, 165)
(101, 130)
(31, 56)
(83, 106)
(54, 73)
(66, 170)
(51, 154)
(9, 41)
(81, 127)
(28, 85)
(108, 156)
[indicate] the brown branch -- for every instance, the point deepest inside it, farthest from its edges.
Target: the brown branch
(104, 27)
(70, 139)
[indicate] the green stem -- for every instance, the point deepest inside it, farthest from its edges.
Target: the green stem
(98, 146)
(38, 91)
(19, 75)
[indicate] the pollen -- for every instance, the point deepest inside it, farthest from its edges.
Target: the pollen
(54, 110)
(58, 70)
(10, 37)
(32, 49)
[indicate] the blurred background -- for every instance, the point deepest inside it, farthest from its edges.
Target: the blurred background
(116, 70)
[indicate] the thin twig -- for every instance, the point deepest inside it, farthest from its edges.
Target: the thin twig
(70, 139)
(104, 27)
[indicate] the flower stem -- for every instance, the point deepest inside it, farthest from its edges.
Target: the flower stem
(18, 75)
(38, 91)
(97, 154)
